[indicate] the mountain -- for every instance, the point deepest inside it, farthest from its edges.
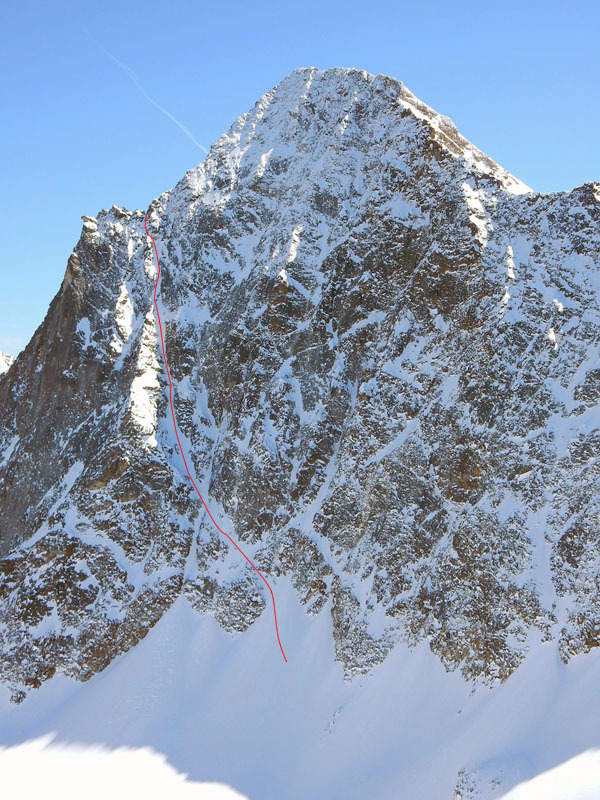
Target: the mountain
(384, 356)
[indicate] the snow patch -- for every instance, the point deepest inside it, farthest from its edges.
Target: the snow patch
(84, 328)
(409, 213)
(145, 387)
(294, 244)
(124, 313)
(477, 216)
(374, 318)
(510, 262)
(395, 444)
(262, 164)
(6, 362)
(10, 447)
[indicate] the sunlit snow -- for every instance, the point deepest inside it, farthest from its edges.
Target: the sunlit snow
(41, 768)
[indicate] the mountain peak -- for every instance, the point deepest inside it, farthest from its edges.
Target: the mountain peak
(342, 108)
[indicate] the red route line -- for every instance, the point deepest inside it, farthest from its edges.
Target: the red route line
(181, 448)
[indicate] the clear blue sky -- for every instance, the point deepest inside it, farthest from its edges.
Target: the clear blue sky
(519, 79)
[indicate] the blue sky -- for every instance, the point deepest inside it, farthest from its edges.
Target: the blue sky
(519, 79)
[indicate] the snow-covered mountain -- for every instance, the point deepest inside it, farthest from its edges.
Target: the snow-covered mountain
(384, 352)
(5, 361)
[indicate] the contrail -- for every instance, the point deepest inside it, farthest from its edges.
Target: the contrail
(134, 79)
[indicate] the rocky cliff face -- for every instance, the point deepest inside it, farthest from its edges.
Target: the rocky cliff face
(384, 351)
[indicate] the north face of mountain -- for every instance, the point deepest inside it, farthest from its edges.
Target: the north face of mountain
(384, 355)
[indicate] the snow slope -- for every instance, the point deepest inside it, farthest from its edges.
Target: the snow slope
(59, 772)
(226, 709)
(576, 779)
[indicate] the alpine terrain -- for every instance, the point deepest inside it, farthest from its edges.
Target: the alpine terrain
(384, 355)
